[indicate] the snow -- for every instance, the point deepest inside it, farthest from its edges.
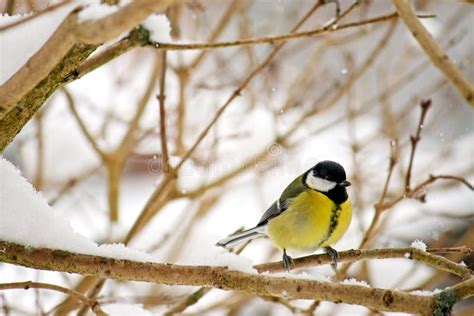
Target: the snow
(234, 262)
(418, 244)
(119, 309)
(300, 276)
(27, 219)
(425, 292)
(353, 281)
(96, 11)
(159, 27)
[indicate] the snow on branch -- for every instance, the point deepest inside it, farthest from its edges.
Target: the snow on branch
(70, 44)
(223, 278)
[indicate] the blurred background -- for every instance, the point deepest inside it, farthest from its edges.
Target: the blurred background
(343, 96)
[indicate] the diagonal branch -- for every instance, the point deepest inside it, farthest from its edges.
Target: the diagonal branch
(72, 107)
(99, 31)
(438, 57)
(72, 42)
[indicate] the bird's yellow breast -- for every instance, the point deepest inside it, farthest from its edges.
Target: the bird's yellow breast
(311, 221)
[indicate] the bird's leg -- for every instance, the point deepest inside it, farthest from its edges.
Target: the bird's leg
(287, 261)
(334, 256)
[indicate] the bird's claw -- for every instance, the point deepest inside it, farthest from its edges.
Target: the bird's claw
(334, 255)
(287, 261)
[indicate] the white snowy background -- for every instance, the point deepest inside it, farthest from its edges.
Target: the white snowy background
(249, 125)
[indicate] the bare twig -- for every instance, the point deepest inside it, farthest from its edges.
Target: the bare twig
(333, 27)
(218, 29)
(162, 123)
(394, 151)
(424, 105)
(92, 296)
(34, 16)
(39, 175)
(82, 126)
(414, 193)
(94, 305)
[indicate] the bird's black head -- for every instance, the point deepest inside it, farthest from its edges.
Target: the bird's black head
(329, 178)
(329, 170)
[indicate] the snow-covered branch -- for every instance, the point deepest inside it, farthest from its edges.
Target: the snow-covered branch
(72, 42)
(226, 279)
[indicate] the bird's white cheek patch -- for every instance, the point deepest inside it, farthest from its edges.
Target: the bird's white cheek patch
(319, 184)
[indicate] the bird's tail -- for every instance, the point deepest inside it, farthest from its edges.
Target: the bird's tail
(245, 235)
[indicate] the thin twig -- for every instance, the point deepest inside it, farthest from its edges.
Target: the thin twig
(82, 126)
(129, 140)
(414, 193)
(39, 175)
(218, 29)
(162, 123)
(94, 305)
(424, 105)
(34, 16)
(72, 183)
(92, 296)
(394, 151)
(333, 27)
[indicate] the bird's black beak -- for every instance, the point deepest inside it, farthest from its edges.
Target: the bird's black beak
(345, 183)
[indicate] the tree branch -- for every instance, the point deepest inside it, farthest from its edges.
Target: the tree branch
(93, 304)
(72, 42)
(223, 278)
(424, 105)
(352, 255)
(96, 32)
(438, 57)
(162, 111)
(279, 38)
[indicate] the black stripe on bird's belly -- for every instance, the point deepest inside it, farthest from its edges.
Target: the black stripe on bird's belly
(333, 221)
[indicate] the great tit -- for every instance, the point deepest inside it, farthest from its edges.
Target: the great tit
(313, 212)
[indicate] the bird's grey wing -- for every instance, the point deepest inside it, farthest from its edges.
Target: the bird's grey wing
(293, 189)
(280, 205)
(272, 211)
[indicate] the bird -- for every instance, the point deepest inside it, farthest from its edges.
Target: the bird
(313, 212)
